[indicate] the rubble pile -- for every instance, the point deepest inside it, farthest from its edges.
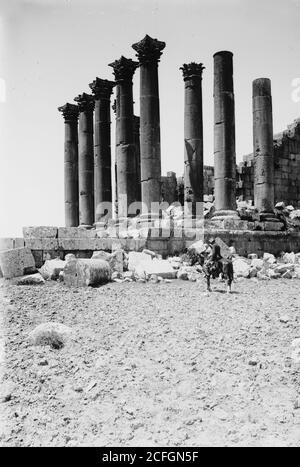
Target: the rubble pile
(119, 266)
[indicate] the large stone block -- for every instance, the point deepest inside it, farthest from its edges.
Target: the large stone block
(16, 262)
(41, 243)
(40, 232)
(76, 232)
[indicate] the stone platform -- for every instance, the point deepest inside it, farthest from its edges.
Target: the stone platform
(51, 242)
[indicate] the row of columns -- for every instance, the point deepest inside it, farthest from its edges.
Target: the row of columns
(138, 158)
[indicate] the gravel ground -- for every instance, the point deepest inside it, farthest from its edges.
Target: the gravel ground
(152, 365)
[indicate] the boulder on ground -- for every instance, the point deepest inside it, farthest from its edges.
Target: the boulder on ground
(252, 256)
(101, 255)
(290, 258)
(182, 274)
(269, 258)
(159, 267)
(257, 263)
(240, 267)
(51, 268)
(54, 334)
(135, 259)
(16, 262)
(31, 279)
(283, 268)
(116, 261)
(85, 272)
(149, 252)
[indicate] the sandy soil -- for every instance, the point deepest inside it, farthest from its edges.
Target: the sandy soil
(152, 365)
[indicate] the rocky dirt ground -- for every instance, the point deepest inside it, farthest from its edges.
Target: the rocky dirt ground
(152, 365)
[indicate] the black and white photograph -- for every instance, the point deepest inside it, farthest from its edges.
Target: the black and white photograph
(149, 226)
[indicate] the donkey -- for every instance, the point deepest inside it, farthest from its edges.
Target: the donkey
(215, 265)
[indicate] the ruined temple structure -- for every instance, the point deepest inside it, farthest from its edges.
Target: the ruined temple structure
(271, 173)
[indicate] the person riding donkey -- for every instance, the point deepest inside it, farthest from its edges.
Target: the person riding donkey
(215, 265)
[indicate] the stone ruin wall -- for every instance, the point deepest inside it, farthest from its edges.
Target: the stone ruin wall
(286, 165)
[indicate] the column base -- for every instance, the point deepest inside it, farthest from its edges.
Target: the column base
(85, 226)
(225, 214)
(268, 217)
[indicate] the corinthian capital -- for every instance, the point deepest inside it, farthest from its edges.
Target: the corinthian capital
(102, 88)
(70, 111)
(191, 70)
(148, 50)
(85, 102)
(124, 69)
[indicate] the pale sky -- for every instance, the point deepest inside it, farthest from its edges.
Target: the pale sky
(50, 50)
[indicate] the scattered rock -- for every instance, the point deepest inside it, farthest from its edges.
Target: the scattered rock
(257, 263)
(16, 262)
(240, 267)
(51, 268)
(32, 279)
(284, 319)
(150, 253)
(85, 272)
(269, 258)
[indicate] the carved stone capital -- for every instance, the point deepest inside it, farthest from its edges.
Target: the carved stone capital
(191, 70)
(85, 102)
(102, 88)
(70, 111)
(148, 50)
(124, 69)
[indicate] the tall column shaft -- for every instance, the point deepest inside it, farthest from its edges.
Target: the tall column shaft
(86, 159)
(125, 149)
(224, 135)
(193, 134)
(136, 136)
(102, 90)
(263, 146)
(70, 113)
(148, 53)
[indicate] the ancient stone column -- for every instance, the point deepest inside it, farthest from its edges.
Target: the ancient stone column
(125, 149)
(224, 136)
(86, 159)
(102, 90)
(263, 147)
(148, 52)
(136, 137)
(70, 113)
(193, 134)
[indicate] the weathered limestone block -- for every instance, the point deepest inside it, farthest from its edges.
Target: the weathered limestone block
(160, 267)
(85, 272)
(10, 243)
(76, 232)
(16, 262)
(41, 243)
(84, 243)
(31, 279)
(51, 269)
(40, 232)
